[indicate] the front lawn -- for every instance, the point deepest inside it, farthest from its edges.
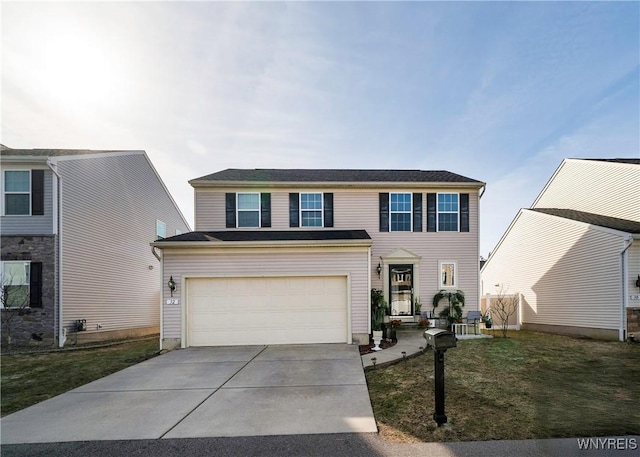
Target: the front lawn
(31, 378)
(531, 385)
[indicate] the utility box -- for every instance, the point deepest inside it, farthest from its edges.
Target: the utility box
(439, 339)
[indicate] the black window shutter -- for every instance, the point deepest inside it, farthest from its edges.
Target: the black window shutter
(431, 212)
(37, 192)
(464, 212)
(230, 208)
(384, 211)
(294, 203)
(265, 210)
(417, 212)
(327, 202)
(35, 285)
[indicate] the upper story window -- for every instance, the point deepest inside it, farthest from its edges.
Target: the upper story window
(448, 210)
(400, 212)
(15, 283)
(248, 209)
(161, 230)
(17, 192)
(311, 210)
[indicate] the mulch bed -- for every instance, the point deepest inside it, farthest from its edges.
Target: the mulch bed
(368, 348)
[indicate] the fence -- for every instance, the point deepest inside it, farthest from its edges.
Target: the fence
(514, 319)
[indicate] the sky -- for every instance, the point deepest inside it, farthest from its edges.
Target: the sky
(500, 92)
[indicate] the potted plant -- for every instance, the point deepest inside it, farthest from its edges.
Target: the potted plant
(379, 308)
(392, 327)
(487, 320)
(424, 323)
(453, 312)
(417, 307)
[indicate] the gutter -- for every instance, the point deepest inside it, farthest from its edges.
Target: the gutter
(260, 244)
(628, 241)
(57, 214)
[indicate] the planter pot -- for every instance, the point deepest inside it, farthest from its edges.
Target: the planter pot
(377, 337)
(487, 325)
(417, 318)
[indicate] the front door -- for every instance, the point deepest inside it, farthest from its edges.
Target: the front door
(401, 290)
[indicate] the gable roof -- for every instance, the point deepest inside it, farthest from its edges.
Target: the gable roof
(622, 225)
(9, 152)
(237, 175)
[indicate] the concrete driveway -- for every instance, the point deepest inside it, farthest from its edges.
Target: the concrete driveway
(209, 392)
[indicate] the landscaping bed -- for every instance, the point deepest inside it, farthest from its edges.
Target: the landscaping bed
(531, 385)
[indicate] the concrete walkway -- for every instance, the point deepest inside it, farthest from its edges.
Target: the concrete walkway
(410, 343)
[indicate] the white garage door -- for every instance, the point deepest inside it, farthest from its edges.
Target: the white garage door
(236, 311)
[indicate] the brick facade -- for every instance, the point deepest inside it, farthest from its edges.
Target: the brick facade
(36, 325)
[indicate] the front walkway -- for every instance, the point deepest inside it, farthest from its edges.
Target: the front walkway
(410, 343)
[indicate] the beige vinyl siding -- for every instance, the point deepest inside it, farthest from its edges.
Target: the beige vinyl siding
(267, 262)
(109, 210)
(358, 209)
(30, 225)
(568, 272)
(609, 189)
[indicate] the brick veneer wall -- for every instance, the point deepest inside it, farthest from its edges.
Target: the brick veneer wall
(37, 326)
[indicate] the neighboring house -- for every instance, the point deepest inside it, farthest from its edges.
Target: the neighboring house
(575, 254)
(76, 227)
(290, 256)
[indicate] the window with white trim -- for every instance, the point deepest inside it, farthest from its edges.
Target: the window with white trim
(448, 212)
(400, 212)
(15, 283)
(248, 209)
(311, 210)
(161, 230)
(17, 192)
(448, 274)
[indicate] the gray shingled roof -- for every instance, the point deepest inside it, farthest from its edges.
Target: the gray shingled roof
(629, 161)
(6, 151)
(326, 175)
(622, 225)
(271, 235)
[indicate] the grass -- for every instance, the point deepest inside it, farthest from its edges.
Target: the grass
(531, 385)
(31, 378)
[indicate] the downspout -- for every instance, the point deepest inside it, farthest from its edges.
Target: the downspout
(479, 275)
(157, 256)
(62, 337)
(628, 241)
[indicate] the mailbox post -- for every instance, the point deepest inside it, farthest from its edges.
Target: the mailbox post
(439, 340)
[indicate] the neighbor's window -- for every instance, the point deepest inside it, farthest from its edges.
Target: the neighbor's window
(161, 230)
(17, 192)
(15, 284)
(448, 274)
(400, 212)
(311, 210)
(448, 212)
(248, 209)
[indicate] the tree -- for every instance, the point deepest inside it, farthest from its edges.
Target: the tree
(503, 306)
(15, 302)
(452, 313)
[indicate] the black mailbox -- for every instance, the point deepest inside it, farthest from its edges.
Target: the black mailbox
(440, 339)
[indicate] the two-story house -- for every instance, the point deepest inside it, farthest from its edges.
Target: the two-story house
(574, 256)
(290, 256)
(76, 227)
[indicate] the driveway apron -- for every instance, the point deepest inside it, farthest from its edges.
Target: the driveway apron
(209, 392)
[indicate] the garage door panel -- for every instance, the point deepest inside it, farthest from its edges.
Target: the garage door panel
(235, 311)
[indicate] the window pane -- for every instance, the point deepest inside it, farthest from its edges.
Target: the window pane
(312, 218)
(400, 202)
(400, 222)
(16, 204)
(248, 219)
(448, 202)
(17, 296)
(448, 275)
(15, 273)
(16, 181)
(448, 222)
(161, 229)
(311, 201)
(249, 201)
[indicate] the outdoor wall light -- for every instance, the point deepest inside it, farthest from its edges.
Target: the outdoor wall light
(172, 285)
(379, 269)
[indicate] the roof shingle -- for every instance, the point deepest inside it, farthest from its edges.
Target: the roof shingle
(623, 225)
(270, 235)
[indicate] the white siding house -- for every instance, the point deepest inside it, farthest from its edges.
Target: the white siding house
(575, 254)
(90, 238)
(290, 256)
